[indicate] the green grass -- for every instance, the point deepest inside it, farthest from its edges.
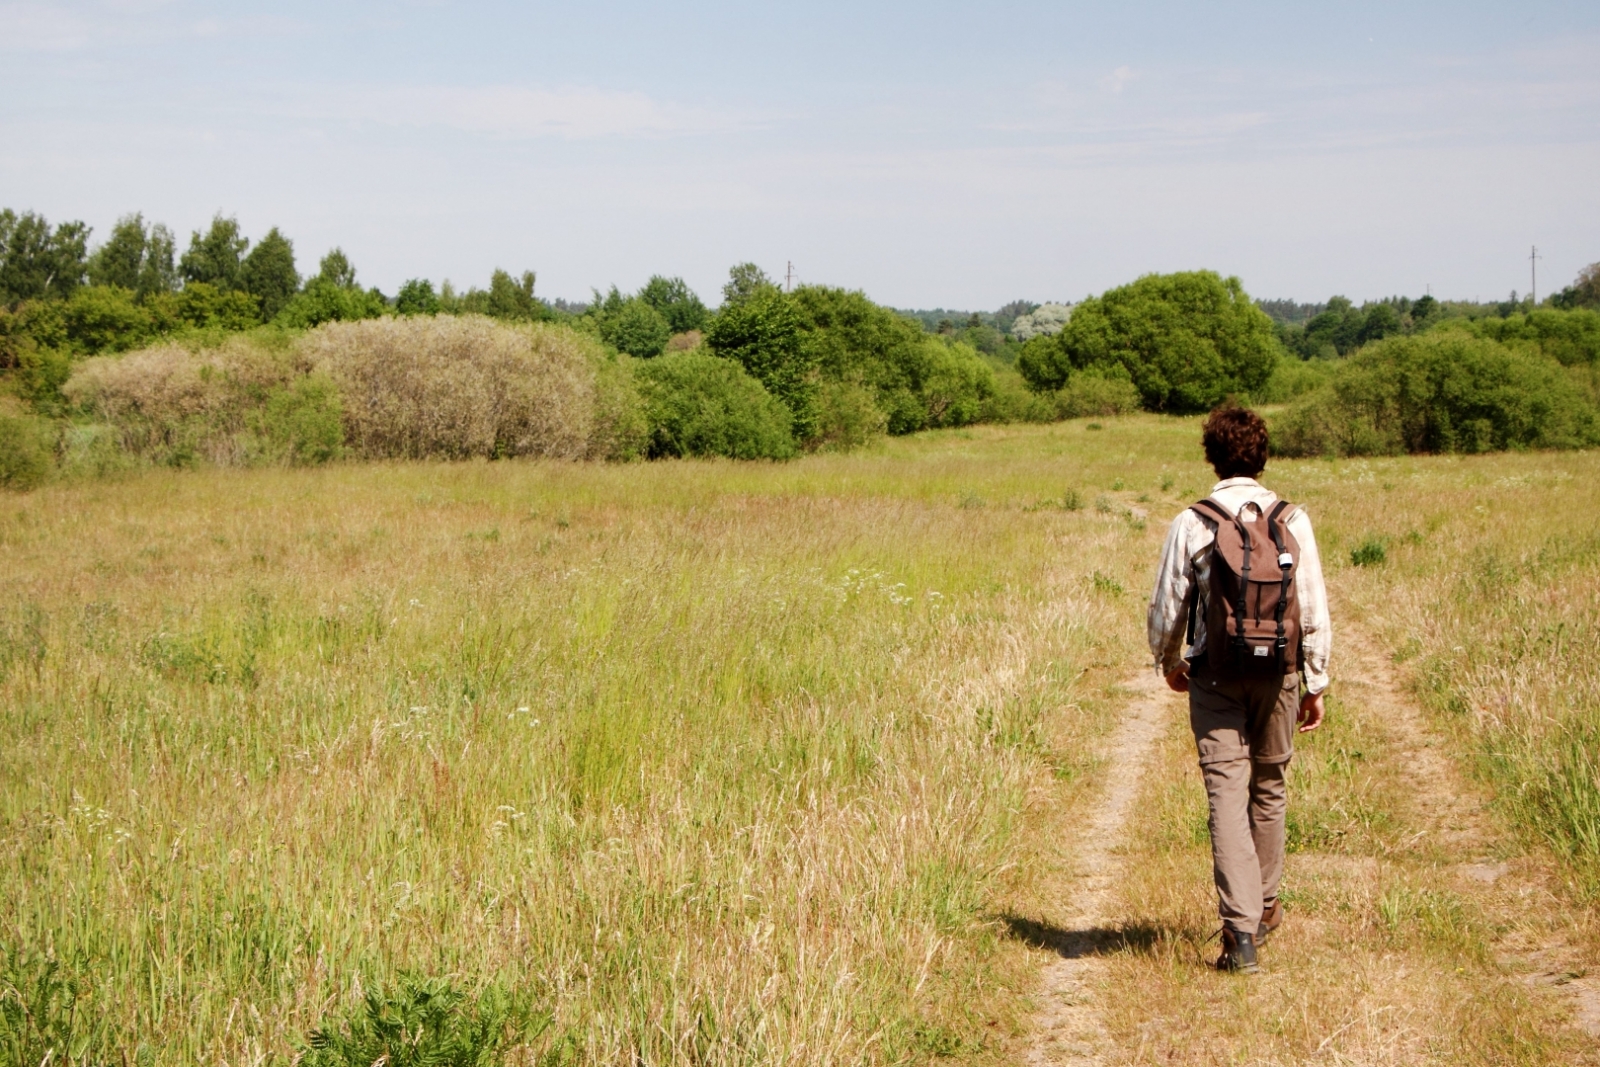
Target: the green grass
(1490, 590)
(704, 762)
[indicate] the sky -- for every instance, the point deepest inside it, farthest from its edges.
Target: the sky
(933, 154)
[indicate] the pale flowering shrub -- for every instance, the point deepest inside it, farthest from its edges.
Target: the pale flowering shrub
(407, 388)
(456, 387)
(1044, 321)
(173, 405)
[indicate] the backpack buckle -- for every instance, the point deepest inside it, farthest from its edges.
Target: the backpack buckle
(1285, 559)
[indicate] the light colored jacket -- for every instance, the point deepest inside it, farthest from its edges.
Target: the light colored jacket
(1185, 564)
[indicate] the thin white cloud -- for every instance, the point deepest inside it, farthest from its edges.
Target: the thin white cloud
(1118, 79)
(573, 113)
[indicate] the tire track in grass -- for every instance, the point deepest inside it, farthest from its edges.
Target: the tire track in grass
(1536, 933)
(1067, 1027)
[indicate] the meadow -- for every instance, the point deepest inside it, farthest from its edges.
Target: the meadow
(709, 762)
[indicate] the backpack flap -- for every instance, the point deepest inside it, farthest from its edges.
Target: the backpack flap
(1252, 614)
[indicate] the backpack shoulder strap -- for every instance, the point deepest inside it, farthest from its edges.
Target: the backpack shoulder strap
(1277, 519)
(1218, 512)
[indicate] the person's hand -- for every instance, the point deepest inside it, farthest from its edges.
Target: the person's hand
(1178, 680)
(1311, 708)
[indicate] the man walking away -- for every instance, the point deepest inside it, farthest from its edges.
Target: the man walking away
(1239, 620)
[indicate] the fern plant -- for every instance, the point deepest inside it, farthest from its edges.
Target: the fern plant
(424, 1022)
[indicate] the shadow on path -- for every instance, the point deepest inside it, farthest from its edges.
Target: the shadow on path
(1138, 936)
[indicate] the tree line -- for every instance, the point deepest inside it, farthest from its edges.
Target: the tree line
(770, 372)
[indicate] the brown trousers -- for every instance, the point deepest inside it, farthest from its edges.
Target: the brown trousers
(1244, 731)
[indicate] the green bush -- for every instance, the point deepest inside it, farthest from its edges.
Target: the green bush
(31, 325)
(103, 318)
(199, 305)
(423, 1023)
(851, 339)
(703, 405)
(303, 421)
(1293, 377)
(676, 302)
(1369, 553)
(916, 380)
(955, 383)
(25, 452)
(1097, 391)
(1013, 401)
(849, 417)
(41, 374)
(621, 430)
(1188, 341)
(637, 329)
(47, 1013)
(764, 333)
(1571, 337)
(323, 301)
(1439, 392)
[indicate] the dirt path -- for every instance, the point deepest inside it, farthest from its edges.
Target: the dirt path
(1068, 1030)
(1449, 840)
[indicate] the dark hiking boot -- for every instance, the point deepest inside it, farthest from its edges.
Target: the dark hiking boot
(1271, 919)
(1238, 953)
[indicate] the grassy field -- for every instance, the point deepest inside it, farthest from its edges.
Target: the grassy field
(1421, 931)
(700, 762)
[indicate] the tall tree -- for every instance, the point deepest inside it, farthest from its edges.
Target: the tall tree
(119, 261)
(676, 302)
(268, 273)
(512, 298)
(1188, 340)
(1584, 292)
(416, 297)
(744, 282)
(337, 270)
(38, 262)
(159, 274)
(763, 331)
(216, 257)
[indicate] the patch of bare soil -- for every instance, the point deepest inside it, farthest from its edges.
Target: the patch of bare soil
(1067, 1028)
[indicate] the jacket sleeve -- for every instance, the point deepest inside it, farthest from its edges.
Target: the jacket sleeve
(1316, 628)
(1168, 615)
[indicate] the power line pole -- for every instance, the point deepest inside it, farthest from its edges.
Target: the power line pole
(788, 276)
(1533, 266)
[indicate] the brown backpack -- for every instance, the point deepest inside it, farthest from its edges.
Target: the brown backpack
(1252, 609)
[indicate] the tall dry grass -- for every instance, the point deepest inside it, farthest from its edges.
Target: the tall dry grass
(692, 755)
(1489, 584)
(717, 763)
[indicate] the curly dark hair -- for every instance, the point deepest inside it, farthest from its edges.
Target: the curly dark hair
(1235, 440)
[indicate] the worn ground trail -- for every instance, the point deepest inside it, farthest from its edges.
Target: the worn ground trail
(1536, 933)
(1067, 1029)
(1537, 936)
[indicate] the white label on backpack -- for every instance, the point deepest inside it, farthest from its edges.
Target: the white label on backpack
(1284, 559)
(1261, 650)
